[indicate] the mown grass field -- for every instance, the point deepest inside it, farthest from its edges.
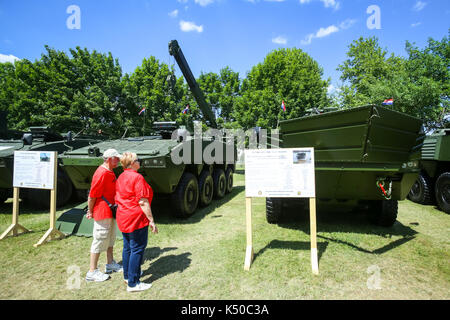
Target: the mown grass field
(203, 257)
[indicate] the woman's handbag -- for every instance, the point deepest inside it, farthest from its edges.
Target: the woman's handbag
(113, 207)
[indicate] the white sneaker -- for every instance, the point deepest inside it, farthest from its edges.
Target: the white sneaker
(113, 267)
(96, 276)
(139, 287)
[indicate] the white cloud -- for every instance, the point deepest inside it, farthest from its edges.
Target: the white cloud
(325, 32)
(336, 5)
(182, 1)
(347, 24)
(187, 26)
(7, 58)
(419, 5)
(279, 40)
(416, 24)
(173, 13)
(204, 3)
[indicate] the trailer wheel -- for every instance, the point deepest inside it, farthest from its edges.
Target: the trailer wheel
(229, 180)
(206, 188)
(421, 192)
(220, 183)
(274, 210)
(383, 212)
(185, 197)
(443, 192)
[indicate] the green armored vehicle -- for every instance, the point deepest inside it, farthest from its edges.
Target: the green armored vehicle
(369, 154)
(186, 184)
(433, 182)
(36, 139)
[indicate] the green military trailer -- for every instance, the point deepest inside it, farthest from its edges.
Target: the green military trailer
(433, 183)
(369, 154)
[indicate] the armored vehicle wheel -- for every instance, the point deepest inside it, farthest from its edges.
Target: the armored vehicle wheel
(40, 198)
(229, 180)
(274, 209)
(220, 183)
(185, 197)
(206, 188)
(4, 195)
(443, 192)
(421, 192)
(383, 212)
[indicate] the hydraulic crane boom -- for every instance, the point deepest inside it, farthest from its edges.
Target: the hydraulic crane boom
(175, 50)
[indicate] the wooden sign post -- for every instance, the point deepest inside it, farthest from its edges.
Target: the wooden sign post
(288, 173)
(15, 228)
(35, 169)
(52, 233)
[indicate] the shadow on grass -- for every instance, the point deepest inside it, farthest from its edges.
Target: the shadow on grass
(165, 265)
(337, 220)
(162, 212)
(292, 245)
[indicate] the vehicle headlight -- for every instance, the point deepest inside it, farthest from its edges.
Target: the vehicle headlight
(154, 163)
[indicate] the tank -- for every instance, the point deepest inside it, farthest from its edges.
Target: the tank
(186, 185)
(433, 184)
(367, 154)
(37, 139)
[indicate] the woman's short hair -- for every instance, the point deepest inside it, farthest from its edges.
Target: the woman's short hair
(127, 159)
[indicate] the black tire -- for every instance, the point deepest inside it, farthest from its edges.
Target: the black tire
(421, 192)
(383, 212)
(274, 210)
(40, 198)
(442, 191)
(185, 197)
(220, 183)
(206, 188)
(229, 180)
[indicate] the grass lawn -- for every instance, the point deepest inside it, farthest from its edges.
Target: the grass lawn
(203, 257)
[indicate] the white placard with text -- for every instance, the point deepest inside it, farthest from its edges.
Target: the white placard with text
(34, 169)
(280, 173)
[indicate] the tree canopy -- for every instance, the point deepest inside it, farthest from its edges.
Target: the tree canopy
(419, 83)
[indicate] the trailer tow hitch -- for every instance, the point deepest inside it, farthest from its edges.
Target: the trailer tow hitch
(381, 183)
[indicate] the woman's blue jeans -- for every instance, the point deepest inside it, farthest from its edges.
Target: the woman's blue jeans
(134, 244)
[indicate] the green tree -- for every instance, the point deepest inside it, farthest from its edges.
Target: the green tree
(419, 84)
(288, 75)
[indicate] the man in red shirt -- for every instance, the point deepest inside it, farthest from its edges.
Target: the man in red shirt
(103, 187)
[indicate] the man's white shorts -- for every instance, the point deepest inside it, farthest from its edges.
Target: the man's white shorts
(104, 235)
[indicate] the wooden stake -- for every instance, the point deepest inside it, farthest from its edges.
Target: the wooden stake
(15, 228)
(313, 234)
(248, 218)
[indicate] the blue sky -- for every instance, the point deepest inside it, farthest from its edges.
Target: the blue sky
(217, 33)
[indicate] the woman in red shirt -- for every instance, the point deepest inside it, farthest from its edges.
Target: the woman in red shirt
(134, 215)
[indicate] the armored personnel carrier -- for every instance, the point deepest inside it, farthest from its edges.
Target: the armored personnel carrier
(433, 184)
(369, 154)
(36, 139)
(187, 184)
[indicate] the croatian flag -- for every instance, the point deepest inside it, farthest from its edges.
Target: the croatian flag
(142, 110)
(283, 107)
(388, 102)
(186, 109)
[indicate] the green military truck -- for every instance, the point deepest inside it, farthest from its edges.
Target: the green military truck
(433, 184)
